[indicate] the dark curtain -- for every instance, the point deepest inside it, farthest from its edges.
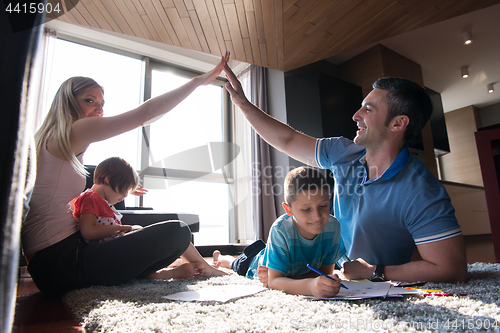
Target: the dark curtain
(263, 175)
(19, 35)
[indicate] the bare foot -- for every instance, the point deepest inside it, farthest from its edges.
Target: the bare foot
(205, 270)
(222, 260)
(262, 275)
(176, 263)
(216, 263)
(184, 271)
(210, 271)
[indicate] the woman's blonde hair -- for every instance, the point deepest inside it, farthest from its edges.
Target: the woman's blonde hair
(63, 112)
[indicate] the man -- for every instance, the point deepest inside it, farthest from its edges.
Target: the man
(386, 200)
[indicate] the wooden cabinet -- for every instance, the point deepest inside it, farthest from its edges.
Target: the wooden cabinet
(488, 149)
(461, 165)
(470, 208)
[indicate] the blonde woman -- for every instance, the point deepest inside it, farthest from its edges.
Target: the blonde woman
(59, 260)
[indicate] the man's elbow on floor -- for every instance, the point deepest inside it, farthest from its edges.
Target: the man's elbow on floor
(463, 276)
(458, 275)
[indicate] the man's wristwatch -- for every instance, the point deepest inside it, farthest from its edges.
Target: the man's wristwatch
(378, 274)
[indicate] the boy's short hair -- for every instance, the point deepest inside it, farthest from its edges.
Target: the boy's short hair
(116, 173)
(303, 179)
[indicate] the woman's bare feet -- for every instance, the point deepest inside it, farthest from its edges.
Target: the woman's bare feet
(176, 263)
(211, 271)
(184, 271)
(187, 271)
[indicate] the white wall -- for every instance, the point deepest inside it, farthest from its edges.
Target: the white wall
(277, 109)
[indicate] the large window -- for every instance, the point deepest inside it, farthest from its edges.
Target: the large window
(179, 156)
(180, 167)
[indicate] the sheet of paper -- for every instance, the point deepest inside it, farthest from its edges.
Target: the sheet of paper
(216, 293)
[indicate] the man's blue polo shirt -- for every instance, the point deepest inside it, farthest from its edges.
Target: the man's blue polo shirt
(382, 219)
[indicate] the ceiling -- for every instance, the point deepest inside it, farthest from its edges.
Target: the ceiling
(439, 50)
(287, 34)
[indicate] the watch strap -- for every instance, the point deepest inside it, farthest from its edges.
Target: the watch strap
(378, 274)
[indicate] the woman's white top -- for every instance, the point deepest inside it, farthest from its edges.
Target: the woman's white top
(49, 218)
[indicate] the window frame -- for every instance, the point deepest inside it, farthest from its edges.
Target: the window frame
(227, 126)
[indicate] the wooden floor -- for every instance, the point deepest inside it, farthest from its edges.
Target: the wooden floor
(36, 313)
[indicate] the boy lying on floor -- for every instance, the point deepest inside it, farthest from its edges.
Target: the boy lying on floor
(306, 234)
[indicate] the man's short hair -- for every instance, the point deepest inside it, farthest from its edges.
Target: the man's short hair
(303, 179)
(116, 173)
(407, 98)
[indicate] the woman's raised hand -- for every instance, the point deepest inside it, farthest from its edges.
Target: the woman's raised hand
(210, 77)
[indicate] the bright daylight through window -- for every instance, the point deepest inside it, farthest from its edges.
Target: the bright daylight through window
(174, 155)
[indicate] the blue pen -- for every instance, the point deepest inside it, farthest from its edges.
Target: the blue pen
(321, 273)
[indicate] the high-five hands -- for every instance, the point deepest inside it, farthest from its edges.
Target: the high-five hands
(210, 76)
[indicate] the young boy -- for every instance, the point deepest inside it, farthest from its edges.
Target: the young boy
(306, 234)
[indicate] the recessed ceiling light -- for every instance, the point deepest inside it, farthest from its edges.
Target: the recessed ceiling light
(465, 72)
(467, 37)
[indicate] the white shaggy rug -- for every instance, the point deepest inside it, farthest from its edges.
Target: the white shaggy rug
(140, 307)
